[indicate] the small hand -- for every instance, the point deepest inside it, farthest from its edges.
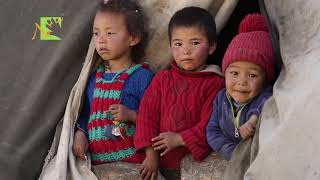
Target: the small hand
(122, 113)
(247, 129)
(166, 142)
(150, 165)
(80, 145)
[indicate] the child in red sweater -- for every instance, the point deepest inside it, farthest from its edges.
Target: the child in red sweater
(177, 105)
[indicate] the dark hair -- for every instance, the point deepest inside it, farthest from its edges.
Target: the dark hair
(135, 20)
(194, 16)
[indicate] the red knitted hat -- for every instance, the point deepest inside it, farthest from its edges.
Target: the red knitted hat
(252, 44)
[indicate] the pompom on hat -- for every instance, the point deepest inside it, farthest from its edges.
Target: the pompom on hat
(252, 44)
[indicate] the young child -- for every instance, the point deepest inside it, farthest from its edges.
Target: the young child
(248, 65)
(178, 103)
(107, 121)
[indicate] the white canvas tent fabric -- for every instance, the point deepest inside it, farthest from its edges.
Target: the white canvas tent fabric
(289, 136)
(60, 163)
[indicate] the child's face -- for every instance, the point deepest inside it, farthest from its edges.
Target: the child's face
(190, 47)
(112, 39)
(244, 80)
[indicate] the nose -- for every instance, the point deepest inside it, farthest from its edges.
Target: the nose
(186, 50)
(242, 81)
(101, 39)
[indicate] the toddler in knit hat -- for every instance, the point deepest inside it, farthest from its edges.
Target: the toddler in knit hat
(248, 66)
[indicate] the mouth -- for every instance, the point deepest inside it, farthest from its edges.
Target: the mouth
(103, 50)
(186, 60)
(242, 91)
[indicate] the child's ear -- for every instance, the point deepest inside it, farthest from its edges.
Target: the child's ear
(134, 40)
(212, 48)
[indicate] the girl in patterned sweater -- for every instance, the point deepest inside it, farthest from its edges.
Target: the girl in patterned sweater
(106, 124)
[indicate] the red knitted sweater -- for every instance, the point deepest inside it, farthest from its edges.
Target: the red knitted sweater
(181, 102)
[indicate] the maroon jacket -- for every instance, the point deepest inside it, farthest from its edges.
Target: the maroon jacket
(181, 102)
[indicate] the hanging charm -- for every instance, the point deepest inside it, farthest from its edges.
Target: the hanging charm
(120, 130)
(109, 132)
(116, 131)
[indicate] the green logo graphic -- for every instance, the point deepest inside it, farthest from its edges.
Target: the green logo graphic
(49, 28)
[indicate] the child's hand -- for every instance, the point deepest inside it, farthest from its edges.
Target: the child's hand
(167, 141)
(248, 128)
(122, 113)
(150, 165)
(80, 145)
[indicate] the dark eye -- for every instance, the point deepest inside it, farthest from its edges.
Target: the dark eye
(95, 33)
(177, 44)
(253, 75)
(195, 42)
(234, 73)
(110, 33)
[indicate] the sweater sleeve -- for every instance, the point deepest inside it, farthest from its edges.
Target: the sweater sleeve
(82, 121)
(147, 123)
(84, 116)
(216, 138)
(144, 83)
(135, 87)
(195, 137)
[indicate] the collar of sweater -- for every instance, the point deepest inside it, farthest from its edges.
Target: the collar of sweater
(208, 71)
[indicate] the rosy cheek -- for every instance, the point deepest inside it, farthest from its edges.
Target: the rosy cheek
(118, 38)
(176, 51)
(97, 45)
(114, 40)
(259, 83)
(229, 78)
(201, 51)
(229, 81)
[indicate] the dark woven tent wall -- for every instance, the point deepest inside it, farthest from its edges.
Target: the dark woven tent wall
(36, 77)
